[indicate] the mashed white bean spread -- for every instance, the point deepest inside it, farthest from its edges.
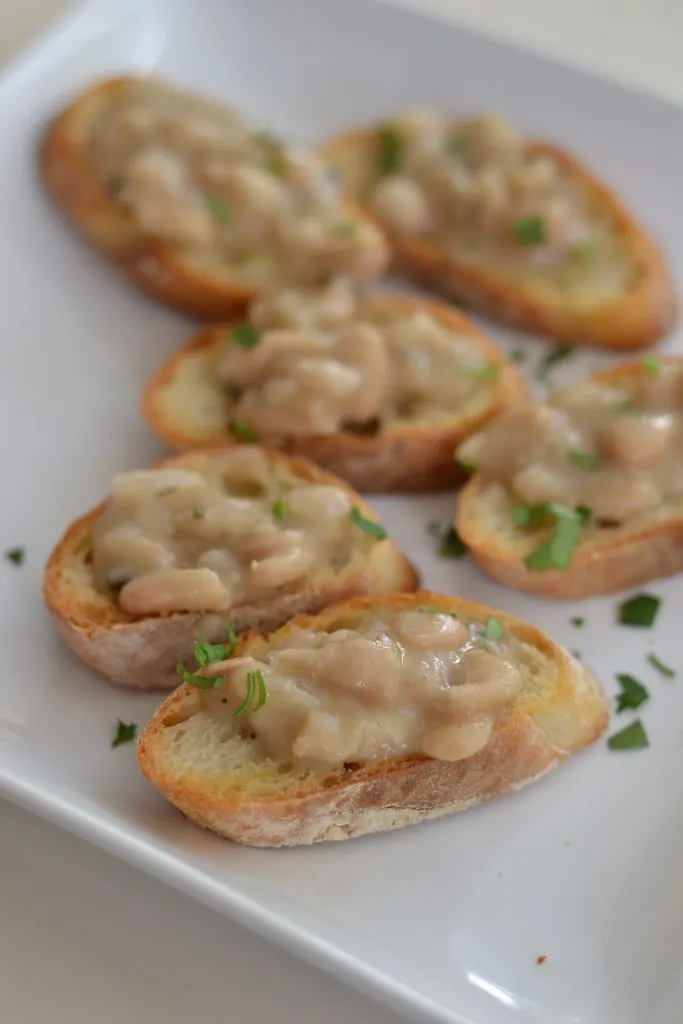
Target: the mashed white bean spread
(399, 683)
(195, 174)
(322, 362)
(616, 450)
(177, 539)
(477, 191)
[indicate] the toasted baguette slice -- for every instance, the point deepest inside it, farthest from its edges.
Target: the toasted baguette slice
(637, 319)
(144, 651)
(184, 403)
(607, 560)
(166, 272)
(223, 786)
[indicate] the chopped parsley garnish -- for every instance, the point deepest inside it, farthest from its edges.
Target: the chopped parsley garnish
(577, 621)
(640, 611)
(125, 732)
(198, 512)
(493, 630)
(530, 231)
(558, 550)
(344, 228)
(429, 610)
(245, 335)
(584, 459)
(633, 737)
(279, 508)
(576, 654)
(221, 210)
(518, 355)
(631, 695)
(277, 158)
(16, 556)
(243, 430)
(367, 525)
(208, 654)
(469, 467)
(555, 356)
(487, 371)
(657, 663)
(256, 694)
(652, 365)
(390, 146)
(450, 544)
(456, 144)
(587, 251)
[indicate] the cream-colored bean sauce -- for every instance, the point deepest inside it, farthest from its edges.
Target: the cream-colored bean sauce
(325, 362)
(476, 190)
(176, 539)
(195, 174)
(412, 682)
(617, 450)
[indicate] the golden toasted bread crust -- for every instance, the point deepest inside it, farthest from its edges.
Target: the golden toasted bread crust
(637, 320)
(156, 267)
(533, 738)
(143, 651)
(624, 559)
(406, 459)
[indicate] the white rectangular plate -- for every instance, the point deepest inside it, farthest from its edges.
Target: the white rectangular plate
(446, 920)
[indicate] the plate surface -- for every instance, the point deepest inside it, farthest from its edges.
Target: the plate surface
(446, 920)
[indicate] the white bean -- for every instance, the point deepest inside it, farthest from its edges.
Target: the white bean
(435, 631)
(178, 590)
(402, 205)
(278, 570)
(364, 347)
(457, 741)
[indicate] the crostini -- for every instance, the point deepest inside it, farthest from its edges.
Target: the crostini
(197, 206)
(377, 713)
(246, 536)
(517, 230)
(378, 390)
(581, 495)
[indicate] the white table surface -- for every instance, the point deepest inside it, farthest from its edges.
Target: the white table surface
(85, 939)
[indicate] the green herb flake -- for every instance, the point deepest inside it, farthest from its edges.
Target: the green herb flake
(456, 144)
(557, 355)
(243, 431)
(201, 682)
(344, 228)
(451, 545)
(367, 525)
(125, 732)
(207, 654)
(429, 610)
(17, 556)
(256, 695)
(631, 695)
(586, 252)
(389, 149)
(661, 667)
(633, 737)
(584, 459)
(652, 365)
(487, 371)
(245, 335)
(279, 508)
(530, 231)
(220, 209)
(558, 550)
(576, 654)
(493, 630)
(468, 467)
(577, 621)
(639, 611)
(518, 355)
